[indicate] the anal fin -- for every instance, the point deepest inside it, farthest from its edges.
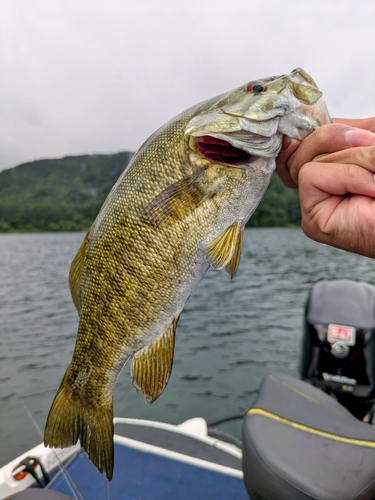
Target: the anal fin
(152, 365)
(225, 250)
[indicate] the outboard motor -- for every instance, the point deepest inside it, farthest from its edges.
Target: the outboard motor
(338, 348)
(298, 442)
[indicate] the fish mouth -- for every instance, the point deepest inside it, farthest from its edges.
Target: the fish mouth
(221, 151)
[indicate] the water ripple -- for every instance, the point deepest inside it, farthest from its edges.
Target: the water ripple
(231, 332)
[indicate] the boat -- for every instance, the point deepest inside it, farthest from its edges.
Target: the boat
(307, 438)
(152, 460)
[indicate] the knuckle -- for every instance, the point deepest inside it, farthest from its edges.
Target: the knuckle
(370, 155)
(309, 227)
(324, 129)
(351, 171)
(307, 171)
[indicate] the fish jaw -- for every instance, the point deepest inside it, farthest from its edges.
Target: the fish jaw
(256, 137)
(254, 123)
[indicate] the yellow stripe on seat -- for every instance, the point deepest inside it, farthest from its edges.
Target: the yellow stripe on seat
(302, 394)
(311, 430)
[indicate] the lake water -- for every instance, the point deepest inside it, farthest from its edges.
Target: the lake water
(231, 332)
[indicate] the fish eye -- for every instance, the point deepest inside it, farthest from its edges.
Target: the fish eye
(256, 87)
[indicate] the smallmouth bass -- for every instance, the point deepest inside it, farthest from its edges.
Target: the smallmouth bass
(180, 206)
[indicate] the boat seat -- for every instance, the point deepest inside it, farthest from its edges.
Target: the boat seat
(299, 443)
(39, 494)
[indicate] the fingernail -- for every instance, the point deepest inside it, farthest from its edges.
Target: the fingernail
(358, 137)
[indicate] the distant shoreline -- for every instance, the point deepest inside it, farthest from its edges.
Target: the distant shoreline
(66, 194)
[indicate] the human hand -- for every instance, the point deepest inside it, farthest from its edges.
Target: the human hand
(333, 169)
(314, 144)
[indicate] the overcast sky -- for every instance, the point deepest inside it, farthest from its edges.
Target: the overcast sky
(99, 76)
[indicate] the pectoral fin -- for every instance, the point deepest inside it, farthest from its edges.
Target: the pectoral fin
(75, 274)
(180, 199)
(176, 202)
(225, 250)
(151, 366)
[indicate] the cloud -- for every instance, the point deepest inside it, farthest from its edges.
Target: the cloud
(101, 76)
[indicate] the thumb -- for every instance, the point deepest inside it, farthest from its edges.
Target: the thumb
(328, 139)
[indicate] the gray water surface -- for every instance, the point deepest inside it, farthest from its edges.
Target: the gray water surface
(231, 332)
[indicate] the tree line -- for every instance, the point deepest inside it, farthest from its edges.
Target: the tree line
(66, 195)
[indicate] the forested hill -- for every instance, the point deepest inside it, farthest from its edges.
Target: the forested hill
(57, 195)
(66, 195)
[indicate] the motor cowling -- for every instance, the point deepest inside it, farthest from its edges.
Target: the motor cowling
(338, 347)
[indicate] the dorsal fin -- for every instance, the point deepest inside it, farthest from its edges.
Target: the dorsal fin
(75, 274)
(152, 365)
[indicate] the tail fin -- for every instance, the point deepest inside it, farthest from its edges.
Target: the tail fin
(68, 420)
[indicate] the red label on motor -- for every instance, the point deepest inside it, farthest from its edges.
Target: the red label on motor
(341, 333)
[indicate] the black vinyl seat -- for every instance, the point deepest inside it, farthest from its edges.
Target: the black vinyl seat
(299, 443)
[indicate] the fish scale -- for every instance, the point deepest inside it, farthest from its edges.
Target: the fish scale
(175, 211)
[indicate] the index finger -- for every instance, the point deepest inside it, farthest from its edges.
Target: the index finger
(288, 148)
(327, 139)
(364, 123)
